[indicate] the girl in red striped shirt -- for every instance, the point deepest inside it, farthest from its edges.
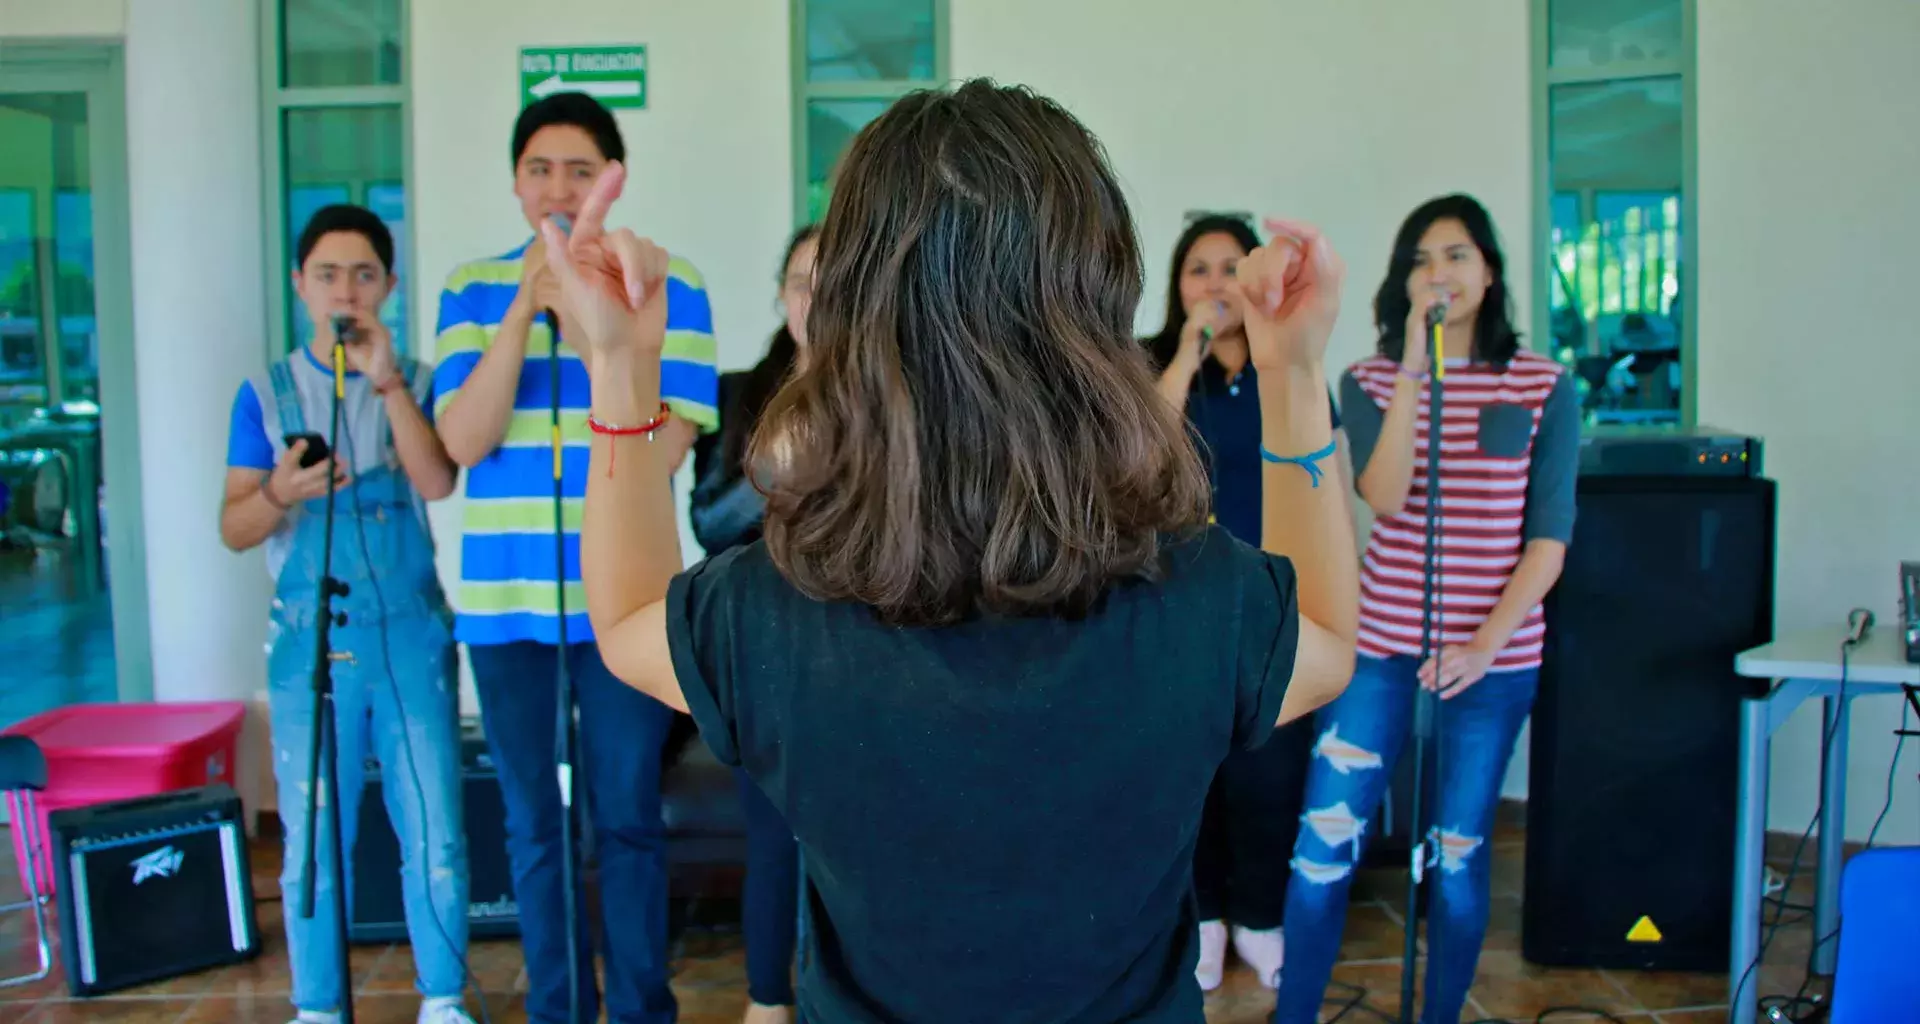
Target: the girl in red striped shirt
(1509, 446)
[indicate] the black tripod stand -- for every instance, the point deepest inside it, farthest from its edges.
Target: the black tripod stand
(567, 736)
(1426, 703)
(323, 752)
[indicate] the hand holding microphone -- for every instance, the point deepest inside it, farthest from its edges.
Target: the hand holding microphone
(1205, 321)
(369, 346)
(1428, 307)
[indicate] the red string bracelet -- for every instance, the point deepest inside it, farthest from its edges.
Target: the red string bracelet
(646, 429)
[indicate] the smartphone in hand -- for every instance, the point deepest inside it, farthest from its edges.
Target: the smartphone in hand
(316, 452)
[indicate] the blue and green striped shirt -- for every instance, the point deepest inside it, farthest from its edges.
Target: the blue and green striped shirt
(506, 591)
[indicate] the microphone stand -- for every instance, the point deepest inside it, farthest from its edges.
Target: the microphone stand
(567, 730)
(1426, 703)
(323, 752)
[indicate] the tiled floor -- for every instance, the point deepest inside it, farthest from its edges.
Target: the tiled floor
(710, 969)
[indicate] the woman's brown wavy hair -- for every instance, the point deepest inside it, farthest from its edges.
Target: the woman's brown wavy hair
(975, 432)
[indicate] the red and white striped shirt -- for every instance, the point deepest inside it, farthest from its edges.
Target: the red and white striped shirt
(1491, 419)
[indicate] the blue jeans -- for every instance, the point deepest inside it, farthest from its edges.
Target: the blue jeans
(770, 897)
(617, 777)
(1360, 738)
(409, 722)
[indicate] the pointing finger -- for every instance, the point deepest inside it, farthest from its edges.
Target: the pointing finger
(592, 222)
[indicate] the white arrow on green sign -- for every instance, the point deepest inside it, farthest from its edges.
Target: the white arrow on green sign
(614, 75)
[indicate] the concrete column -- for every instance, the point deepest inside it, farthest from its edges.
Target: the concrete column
(199, 314)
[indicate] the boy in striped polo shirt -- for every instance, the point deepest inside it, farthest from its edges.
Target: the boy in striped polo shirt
(497, 358)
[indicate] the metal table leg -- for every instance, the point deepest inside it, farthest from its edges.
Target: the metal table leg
(1749, 874)
(1833, 827)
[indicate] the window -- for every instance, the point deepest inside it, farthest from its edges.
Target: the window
(851, 60)
(1614, 96)
(336, 108)
(47, 329)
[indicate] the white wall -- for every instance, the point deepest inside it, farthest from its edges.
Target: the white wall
(1343, 114)
(63, 19)
(205, 604)
(1808, 225)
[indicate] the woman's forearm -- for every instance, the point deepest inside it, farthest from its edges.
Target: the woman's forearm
(1176, 382)
(1388, 477)
(1305, 519)
(1538, 571)
(629, 545)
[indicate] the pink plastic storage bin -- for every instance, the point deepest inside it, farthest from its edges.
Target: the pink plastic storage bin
(97, 753)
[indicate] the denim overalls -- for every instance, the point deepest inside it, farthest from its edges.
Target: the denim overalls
(396, 698)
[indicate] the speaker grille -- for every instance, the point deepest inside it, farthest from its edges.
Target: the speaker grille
(1636, 732)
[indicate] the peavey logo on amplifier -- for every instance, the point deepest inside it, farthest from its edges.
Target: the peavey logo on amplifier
(161, 863)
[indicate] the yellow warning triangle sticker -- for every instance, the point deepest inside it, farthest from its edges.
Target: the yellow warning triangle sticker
(1643, 930)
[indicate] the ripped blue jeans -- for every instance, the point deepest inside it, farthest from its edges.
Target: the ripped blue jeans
(1358, 739)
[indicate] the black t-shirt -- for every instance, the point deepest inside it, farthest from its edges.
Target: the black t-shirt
(998, 817)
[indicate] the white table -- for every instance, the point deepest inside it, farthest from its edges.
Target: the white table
(1804, 665)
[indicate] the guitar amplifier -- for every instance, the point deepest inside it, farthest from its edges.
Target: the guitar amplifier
(378, 913)
(152, 888)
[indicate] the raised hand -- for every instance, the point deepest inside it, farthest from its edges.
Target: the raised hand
(611, 282)
(1292, 290)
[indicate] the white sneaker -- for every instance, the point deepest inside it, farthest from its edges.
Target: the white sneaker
(443, 1011)
(1261, 950)
(315, 1017)
(1213, 955)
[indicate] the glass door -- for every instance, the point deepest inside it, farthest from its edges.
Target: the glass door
(72, 607)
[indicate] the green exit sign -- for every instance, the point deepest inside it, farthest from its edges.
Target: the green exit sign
(614, 75)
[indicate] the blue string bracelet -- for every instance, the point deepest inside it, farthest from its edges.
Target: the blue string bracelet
(1310, 463)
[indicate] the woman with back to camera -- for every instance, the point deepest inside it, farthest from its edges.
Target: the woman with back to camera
(726, 510)
(1507, 466)
(1252, 815)
(977, 660)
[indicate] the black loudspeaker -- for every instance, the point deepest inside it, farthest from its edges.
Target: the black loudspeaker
(1636, 732)
(378, 913)
(152, 888)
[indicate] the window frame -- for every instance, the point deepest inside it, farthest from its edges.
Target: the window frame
(804, 92)
(275, 101)
(1545, 78)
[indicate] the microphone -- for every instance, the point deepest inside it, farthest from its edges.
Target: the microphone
(1437, 312)
(344, 329)
(1206, 331)
(1859, 625)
